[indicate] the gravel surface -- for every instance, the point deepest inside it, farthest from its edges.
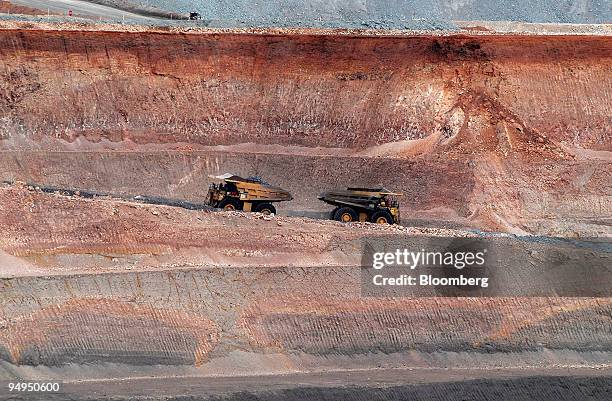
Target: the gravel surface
(392, 14)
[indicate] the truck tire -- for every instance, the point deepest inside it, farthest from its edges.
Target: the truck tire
(382, 217)
(265, 208)
(346, 214)
(332, 214)
(230, 204)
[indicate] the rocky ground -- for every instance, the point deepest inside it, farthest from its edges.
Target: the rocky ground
(386, 14)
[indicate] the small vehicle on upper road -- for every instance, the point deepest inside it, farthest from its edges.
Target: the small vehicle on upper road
(250, 194)
(376, 205)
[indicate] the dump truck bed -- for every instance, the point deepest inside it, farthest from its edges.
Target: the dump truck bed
(255, 189)
(356, 197)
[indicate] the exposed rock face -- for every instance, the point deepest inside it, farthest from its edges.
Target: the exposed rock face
(301, 90)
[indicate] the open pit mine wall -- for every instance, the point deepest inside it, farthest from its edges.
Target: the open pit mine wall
(224, 318)
(492, 113)
(326, 91)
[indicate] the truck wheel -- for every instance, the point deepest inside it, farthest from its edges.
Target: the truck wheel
(346, 215)
(332, 214)
(382, 217)
(265, 208)
(230, 204)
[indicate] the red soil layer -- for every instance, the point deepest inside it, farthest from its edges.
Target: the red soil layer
(306, 90)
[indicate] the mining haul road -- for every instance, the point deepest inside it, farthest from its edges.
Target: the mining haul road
(381, 384)
(83, 8)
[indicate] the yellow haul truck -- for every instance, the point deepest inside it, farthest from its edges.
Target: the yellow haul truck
(376, 205)
(250, 194)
